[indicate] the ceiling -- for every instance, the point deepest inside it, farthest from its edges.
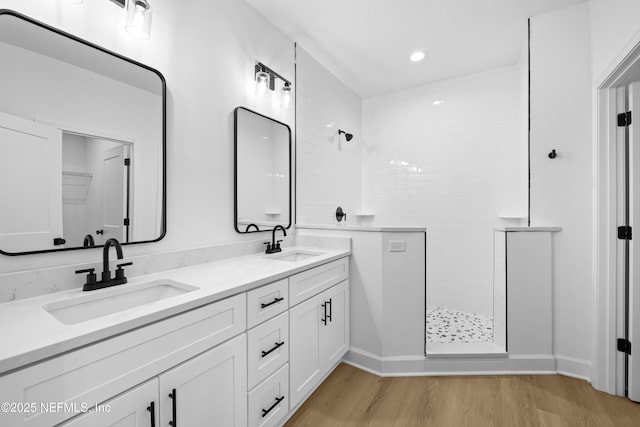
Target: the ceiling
(367, 43)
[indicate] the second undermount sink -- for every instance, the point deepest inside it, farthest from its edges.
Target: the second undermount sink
(294, 255)
(114, 300)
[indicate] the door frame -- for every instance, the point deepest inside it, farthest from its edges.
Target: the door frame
(607, 374)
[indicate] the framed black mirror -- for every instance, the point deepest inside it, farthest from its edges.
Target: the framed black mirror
(82, 142)
(262, 183)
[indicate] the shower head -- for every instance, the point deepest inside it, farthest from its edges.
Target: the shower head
(347, 136)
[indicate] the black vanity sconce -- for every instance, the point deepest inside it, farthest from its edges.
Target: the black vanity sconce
(266, 78)
(138, 22)
(553, 154)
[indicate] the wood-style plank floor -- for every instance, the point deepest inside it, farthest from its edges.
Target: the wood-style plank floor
(351, 397)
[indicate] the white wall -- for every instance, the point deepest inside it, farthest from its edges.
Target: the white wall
(561, 188)
(453, 168)
(614, 30)
(206, 50)
(327, 177)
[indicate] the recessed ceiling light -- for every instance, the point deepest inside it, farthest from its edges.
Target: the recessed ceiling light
(417, 56)
(438, 102)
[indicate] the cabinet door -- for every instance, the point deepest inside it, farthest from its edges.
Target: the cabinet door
(134, 408)
(210, 389)
(334, 333)
(304, 348)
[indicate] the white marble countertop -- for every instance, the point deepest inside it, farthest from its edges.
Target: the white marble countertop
(31, 334)
(387, 229)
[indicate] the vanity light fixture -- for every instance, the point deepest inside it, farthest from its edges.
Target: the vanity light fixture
(138, 23)
(266, 78)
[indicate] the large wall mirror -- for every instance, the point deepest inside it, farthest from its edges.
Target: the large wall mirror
(82, 142)
(262, 172)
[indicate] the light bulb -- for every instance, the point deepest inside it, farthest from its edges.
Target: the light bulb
(139, 18)
(262, 82)
(286, 96)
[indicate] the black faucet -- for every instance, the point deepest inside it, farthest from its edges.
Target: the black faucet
(106, 281)
(274, 246)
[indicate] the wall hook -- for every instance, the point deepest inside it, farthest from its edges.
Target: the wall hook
(553, 154)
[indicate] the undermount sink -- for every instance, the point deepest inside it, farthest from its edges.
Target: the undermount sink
(114, 300)
(294, 256)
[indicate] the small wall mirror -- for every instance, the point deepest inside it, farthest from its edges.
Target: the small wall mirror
(82, 142)
(262, 172)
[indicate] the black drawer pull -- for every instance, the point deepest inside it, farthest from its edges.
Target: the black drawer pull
(330, 303)
(266, 411)
(277, 346)
(174, 397)
(275, 301)
(152, 408)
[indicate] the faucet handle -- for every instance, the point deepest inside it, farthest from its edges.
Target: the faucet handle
(91, 275)
(120, 270)
(268, 246)
(277, 244)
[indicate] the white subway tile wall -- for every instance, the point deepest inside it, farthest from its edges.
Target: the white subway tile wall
(329, 171)
(454, 167)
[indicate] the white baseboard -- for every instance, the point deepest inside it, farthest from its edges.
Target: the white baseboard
(572, 367)
(462, 365)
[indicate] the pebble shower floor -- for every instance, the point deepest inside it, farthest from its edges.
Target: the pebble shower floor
(453, 326)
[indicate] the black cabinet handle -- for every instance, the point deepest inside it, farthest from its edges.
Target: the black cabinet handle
(99, 231)
(277, 346)
(275, 301)
(266, 411)
(324, 307)
(152, 408)
(174, 398)
(330, 303)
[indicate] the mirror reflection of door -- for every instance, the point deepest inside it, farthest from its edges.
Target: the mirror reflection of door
(30, 166)
(95, 189)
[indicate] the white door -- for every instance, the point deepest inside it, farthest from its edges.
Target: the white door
(634, 252)
(134, 408)
(305, 366)
(210, 389)
(31, 194)
(334, 336)
(115, 193)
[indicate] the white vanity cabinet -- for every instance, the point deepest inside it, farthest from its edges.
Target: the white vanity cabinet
(247, 360)
(319, 333)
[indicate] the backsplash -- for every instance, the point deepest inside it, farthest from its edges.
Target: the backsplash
(26, 284)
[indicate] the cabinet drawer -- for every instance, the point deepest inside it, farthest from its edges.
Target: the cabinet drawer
(311, 282)
(269, 402)
(100, 371)
(268, 348)
(266, 302)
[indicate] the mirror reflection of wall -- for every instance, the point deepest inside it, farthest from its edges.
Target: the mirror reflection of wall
(262, 171)
(64, 105)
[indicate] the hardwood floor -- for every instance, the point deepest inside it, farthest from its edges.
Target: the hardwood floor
(351, 397)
